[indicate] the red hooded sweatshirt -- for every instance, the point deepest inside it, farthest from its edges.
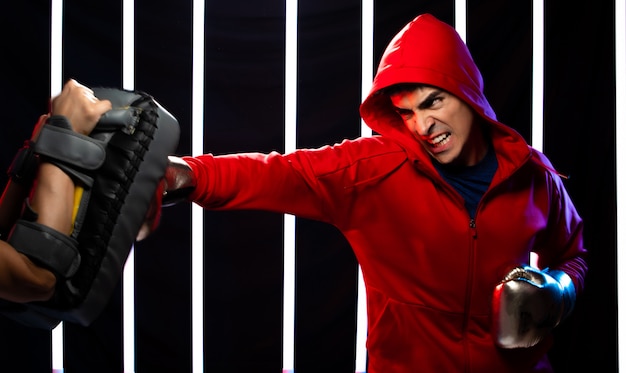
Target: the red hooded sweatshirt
(428, 267)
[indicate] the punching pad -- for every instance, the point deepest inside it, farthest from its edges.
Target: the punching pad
(138, 135)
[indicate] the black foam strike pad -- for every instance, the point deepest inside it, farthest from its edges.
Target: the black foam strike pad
(139, 135)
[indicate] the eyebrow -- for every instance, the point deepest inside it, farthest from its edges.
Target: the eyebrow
(425, 104)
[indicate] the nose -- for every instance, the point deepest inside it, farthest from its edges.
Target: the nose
(420, 123)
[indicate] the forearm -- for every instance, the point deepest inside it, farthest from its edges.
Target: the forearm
(255, 181)
(21, 280)
(11, 204)
(53, 201)
(21, 172)
(39, 214)
(53, 198)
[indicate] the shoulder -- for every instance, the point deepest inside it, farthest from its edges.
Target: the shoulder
(375, 151)
(354, 150)
(546, 173)
(541, 161)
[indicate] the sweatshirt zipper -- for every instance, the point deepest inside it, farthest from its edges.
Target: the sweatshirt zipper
(472, 225)
(468, 289)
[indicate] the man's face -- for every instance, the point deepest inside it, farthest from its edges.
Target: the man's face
(443, 124)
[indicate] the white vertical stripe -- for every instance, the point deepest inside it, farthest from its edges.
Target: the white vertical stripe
(197, 286)
(128, 44)
(289, 245)
(56, 84)
(460, 18)
(367, 54)
(128, 279)
(367, 73)
(56, 47)
(537, 87)
(620, 154)
(537, 79)
(128, 318)
(291, 73)
(289, 289)
(197, 214)
(197, 289)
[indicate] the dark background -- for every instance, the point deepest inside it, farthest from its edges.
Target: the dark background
(244, 105)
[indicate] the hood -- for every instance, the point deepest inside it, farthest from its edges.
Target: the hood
(431, 52)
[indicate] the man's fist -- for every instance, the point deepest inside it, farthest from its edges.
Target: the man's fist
(176, 185)
(528, 304)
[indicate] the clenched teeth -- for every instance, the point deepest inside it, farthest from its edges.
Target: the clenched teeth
(440, 140)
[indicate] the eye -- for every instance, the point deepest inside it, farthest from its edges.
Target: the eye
(433, 102)
(404, 113)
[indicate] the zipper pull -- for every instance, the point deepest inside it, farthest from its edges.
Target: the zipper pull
(472, 225)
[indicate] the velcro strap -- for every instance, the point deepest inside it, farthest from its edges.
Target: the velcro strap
(23, 169)
(124, 118)
(70, 147)
(46, 246)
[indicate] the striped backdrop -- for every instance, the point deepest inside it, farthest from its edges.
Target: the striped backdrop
(260, 292)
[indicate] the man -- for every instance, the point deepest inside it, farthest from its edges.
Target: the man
(442, 208)
(51, 199)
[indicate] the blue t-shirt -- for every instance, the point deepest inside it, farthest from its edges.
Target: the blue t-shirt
(472, 181)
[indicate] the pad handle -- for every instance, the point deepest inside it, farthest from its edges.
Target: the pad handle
(72, 152)
(46, 246)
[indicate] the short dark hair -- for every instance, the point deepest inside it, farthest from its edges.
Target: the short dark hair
(400, 88)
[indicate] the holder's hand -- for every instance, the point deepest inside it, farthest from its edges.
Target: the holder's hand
(77, 103)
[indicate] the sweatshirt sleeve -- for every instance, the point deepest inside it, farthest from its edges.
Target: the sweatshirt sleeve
(565, 247)
(318, 184)
(256, 181)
